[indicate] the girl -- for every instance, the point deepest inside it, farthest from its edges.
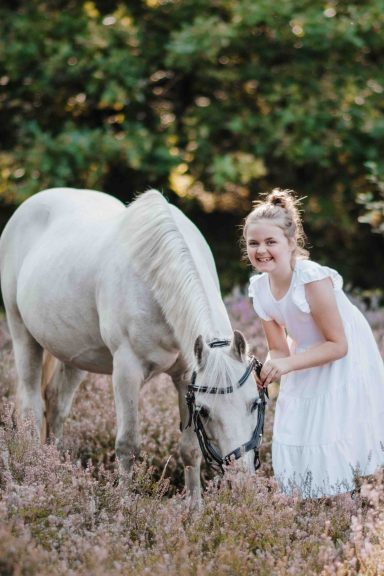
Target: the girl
(329, 421)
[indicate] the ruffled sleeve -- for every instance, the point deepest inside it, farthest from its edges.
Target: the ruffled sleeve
(255, 285)
(306, 272)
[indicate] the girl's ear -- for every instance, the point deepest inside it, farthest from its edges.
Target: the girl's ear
(238, 346)
(292, 243)
(292, 246)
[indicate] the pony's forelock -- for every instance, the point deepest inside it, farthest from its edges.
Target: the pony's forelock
(219, 371)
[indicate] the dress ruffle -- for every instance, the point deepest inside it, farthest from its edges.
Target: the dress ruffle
(327, 470)
(307, 271)
(254, 285)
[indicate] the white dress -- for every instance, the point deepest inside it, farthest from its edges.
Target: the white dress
(329, 421)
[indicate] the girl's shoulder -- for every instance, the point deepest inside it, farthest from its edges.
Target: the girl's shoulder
(256, 291)
(309, 271)
(256, 283)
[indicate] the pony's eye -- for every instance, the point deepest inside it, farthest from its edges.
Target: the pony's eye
(204, 412)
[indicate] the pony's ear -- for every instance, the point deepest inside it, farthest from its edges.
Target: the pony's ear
(238, 346)
(201, 350)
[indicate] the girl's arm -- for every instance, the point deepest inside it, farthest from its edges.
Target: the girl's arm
(322, 303)
(277, 345)
(276, 339)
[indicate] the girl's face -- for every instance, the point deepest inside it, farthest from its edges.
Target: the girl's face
(268, 249)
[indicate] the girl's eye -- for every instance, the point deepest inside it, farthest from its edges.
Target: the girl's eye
(271, 242)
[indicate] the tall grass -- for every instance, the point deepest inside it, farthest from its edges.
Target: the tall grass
(67, 513)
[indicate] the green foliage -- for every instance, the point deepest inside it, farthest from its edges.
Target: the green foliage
(213, 102)
(374, 199)
(75, 99)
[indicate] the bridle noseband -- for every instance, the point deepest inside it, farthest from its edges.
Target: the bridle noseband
(211, 455)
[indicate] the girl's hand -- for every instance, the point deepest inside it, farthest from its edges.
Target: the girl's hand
(258, 381)
(273, 369)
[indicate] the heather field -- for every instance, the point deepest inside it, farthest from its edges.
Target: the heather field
(68, 514)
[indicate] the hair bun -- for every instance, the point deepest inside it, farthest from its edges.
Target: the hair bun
(283, 198)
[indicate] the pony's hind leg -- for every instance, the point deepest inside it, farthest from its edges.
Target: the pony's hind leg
(28, 360)
(59, 392)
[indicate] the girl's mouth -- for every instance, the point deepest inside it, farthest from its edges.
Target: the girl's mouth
(264, 259)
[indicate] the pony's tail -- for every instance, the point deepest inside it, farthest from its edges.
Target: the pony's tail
(49, 367)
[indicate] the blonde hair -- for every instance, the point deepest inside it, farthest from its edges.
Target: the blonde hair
(281, 207)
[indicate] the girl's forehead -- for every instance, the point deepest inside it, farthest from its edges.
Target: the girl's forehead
(263, 229)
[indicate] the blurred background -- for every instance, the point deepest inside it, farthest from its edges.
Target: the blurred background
(211, 102)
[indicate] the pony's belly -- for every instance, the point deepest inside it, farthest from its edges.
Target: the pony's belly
(99, 361)
(74, 350)
(73, 336)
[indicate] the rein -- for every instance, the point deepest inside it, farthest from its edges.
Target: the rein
(211, 455)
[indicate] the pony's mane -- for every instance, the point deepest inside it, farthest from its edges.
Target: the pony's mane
(161, 257)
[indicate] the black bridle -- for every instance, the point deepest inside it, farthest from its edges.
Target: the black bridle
(211, 455)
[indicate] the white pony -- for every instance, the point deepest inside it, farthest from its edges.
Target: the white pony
(125, 291)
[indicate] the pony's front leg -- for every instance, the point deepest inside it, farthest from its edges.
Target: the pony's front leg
(191, 456)
(127, 378)
(190, 451)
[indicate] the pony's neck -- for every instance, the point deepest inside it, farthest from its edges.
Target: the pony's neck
(171, 256)
(218, 325)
